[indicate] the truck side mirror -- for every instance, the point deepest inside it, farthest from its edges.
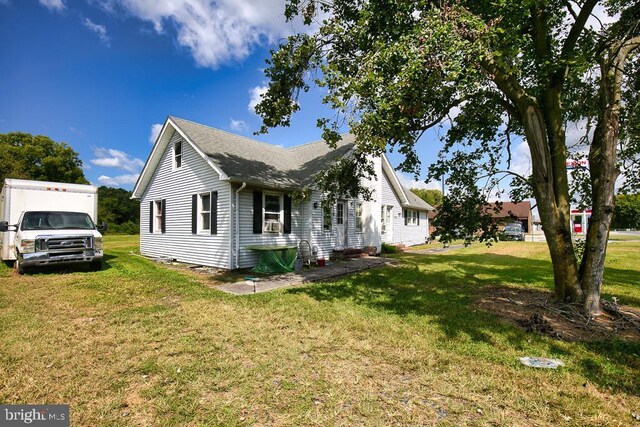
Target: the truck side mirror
(5, 226)
(102, 227)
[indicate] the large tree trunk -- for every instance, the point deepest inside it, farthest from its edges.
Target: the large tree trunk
(603, 172)
(550, 186)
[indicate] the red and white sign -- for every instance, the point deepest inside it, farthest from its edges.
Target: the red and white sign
(572, 164)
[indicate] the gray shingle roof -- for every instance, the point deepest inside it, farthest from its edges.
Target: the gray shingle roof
(415, 201)
(244, 159)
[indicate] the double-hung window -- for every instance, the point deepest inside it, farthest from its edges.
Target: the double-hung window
(177, 155)
(340, 213)
(358, 218)
(158, 216)
(412, 217)
(205, 212)
(326, 217)
(272, 213)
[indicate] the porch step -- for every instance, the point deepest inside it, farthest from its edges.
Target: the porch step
(348, 253)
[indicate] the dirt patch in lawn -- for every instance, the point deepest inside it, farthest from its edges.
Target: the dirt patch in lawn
(534, 311)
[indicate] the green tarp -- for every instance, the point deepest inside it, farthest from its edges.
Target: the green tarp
(275, 259)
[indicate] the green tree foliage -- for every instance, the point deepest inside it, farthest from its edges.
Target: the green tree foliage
(512, 69)
(627, 214)
(25, 156)
(433, 197)
(116, 208)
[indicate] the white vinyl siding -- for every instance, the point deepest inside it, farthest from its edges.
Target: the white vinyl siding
(395, 221)
(177, 187)
(410, 234)
(325, 239)
(249, 258)
(196, 178)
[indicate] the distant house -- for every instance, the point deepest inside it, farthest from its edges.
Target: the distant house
(516, 212)
(206, 195)
(509, 212)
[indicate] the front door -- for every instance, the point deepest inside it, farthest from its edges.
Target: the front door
(386, 223)
(389, 223)
(339, 228)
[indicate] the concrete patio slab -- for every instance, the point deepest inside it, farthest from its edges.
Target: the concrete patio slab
(314, 274)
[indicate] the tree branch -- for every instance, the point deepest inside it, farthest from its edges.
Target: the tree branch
(540, 32)
(441, 117)
(505, 82)
(577, 27)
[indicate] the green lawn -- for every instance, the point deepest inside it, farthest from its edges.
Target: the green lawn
(138, 344)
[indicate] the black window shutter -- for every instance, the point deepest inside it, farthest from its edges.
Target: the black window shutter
(164, 215)
(418, 213)
(214, 212)
(405, 217)
(287, 214)
(194, 214)
(151, 216)
(257, 212)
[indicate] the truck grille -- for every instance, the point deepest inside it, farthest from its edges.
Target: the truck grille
(65, 245)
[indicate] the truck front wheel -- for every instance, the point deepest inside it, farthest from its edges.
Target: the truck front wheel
(19, 267)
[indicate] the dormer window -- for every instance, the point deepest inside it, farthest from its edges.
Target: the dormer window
(177, 155)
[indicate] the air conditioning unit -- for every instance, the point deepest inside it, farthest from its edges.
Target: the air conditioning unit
(272, 227)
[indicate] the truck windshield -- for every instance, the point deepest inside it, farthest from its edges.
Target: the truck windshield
(56, 221)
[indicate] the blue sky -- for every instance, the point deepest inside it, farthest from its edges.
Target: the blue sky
(103, 75)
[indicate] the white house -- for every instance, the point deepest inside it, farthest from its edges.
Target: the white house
(207, 194)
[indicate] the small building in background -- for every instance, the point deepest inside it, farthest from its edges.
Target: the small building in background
(510, 212)
(580, 220)
(515, 212)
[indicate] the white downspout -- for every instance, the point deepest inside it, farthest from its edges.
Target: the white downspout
(237, 228)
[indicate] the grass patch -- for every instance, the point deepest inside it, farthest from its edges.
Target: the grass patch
(140, 344)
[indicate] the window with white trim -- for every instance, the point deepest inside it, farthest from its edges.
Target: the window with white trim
(205, 212)
(358, 217)
(340, 213)
(177, 155)
(385, 217)
(157, 204)
(272, 213)
(326, 217)
(412, 217)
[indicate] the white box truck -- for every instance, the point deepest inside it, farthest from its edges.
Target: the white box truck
(45, 223)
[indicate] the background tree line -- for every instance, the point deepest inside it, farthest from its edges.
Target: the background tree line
(24, 156)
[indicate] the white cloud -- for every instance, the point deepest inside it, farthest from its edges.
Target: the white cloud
(155, 131)
(521, 159)
(255, 97)
(214, 32)
(119, 180)
(53, 5)
(237, 125)
(409, 182)
(110, 158)
(100, 30)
